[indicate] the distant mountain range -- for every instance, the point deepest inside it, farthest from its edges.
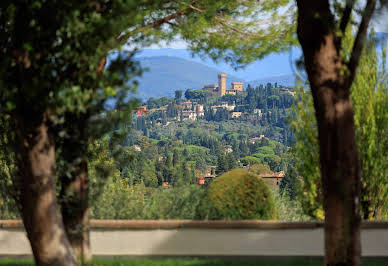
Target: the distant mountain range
(270, 66)
(173, 69)
(166, 74)
(285, 80)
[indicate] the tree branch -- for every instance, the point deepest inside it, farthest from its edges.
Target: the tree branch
(346, 15)
(156, 23)
(360, 39)
(222, 21)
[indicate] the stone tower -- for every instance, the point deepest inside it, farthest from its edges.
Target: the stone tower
(221, 84)
(238, 86)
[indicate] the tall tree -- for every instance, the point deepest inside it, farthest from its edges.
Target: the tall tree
(45, 60)
(369, 95)
(330, 76)
(222, 164)
(178, 94)
(370, 99)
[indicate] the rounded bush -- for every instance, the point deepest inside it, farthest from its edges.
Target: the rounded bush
(237, 195)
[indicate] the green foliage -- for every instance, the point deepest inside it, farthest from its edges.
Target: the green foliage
(288, 209)
(8, 195)
(239, 194)
(250, 160)
(370, 100)
(369, 96)
(174, 203)
(222, 164)
(290, 184)
(259, 169)
(63, 44)
(8, 205)
(197, 94)
(119, 200)
(178, 94)
(266, 154)
(306, 154)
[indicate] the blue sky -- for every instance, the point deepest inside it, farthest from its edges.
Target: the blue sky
(379, 23)
(271, 65)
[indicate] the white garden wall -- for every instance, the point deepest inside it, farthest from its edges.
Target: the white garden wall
(202, 238)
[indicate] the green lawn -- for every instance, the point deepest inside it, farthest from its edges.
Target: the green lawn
(193, 262)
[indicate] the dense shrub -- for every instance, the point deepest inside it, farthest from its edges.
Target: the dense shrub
(237, 195)
(174, 203)
(119, 200)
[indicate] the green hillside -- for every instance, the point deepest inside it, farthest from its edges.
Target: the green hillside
(167, 74)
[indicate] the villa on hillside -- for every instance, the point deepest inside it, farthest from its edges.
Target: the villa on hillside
(256, 139)
(208, 174)
(223, 105)
(190, 111)
(275, 178)
(220, 88)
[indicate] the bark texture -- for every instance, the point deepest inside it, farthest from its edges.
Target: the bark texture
(75, 211)
(41, 217)
(340, 168)
(74, 195)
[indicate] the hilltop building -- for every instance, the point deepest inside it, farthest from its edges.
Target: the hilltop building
(191, 111)
(221, 89)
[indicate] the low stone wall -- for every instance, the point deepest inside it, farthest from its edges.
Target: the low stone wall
(204, 238)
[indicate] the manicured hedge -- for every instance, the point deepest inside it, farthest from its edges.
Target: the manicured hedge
(239, 194)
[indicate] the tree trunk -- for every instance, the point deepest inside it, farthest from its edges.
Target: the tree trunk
(74, 195)
(41, 217)
(75, 211)
(340, 168)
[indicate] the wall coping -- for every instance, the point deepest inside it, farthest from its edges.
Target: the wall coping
(196, 224)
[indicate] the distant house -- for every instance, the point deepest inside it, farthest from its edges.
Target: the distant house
(256, 139)
(236, 114)
(201, 181)
(199, 108)
(136, 147)
(223, 106)
(142, 110)
(275, 178)
(191, 111)
(209, 174)
(228, 148)
(258, 112)
(189, 115)
(188, 105)
(286, 90)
